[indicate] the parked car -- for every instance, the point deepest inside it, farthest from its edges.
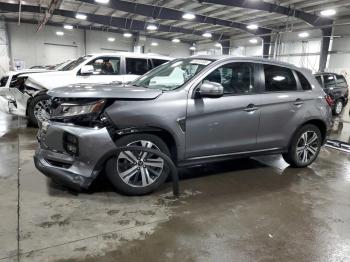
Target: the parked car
(106, 68)
(336, 87)
(217, 108)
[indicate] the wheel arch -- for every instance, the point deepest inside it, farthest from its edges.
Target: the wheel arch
(320, 124)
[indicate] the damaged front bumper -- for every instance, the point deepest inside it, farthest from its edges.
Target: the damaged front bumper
(75, 169)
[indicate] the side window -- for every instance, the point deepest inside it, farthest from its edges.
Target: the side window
(341, 82)
(106, 66)
(329, 80)
(279, 79)
(158, 62)
(319, 80)
(136, 66)
(236, 78)
(304, 82)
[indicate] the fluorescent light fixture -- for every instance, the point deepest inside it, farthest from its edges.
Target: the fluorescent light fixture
(176, 40)
(102, 1)
(127, 34)
(188, 16)
(279, 78)
(111, 39)
(218, 45)
(303, 34)
(253, 41)
(60, 33)
(80, 16)
(192, 48)
(154, 44)
(328, 12)
(252, 27)
(68, 27)
(152, 27)
(207, 35)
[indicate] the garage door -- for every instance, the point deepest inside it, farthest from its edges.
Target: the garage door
(55, 54)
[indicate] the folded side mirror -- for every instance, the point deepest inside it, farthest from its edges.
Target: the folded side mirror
(87, 70)
(211, 90)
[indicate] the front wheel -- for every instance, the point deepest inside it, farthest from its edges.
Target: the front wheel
(338, 107)
(39, 109)
(138, 173)
(305, 146)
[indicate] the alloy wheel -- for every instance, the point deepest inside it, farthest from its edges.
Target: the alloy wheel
(338, 107)
(42, 110)
(139, 169)
(307, 147)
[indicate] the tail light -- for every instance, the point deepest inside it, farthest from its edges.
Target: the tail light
(329, 100)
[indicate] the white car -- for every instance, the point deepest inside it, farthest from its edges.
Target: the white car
(31, 99)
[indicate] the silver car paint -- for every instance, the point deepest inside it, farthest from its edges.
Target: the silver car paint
(213, 125)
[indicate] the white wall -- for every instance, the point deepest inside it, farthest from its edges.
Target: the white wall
(31, 46)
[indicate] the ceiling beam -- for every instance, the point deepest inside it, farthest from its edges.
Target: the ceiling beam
(54, 4)
(122, 23)
(159, 12)
(309, 18)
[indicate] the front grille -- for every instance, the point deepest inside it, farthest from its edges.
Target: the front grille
(4, 80)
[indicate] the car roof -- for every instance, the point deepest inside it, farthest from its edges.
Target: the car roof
(131, 54)
(248, 59)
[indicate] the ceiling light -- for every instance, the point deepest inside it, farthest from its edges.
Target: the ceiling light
(253, 41)
(59, 33)
(68, 27)
(127, 35)
(175, 40)
(154, 44)
(152, 27)
(111, 39)
(303, 34)
(328, 12)
(218, 45)
(252, 27)
(188, 16)
(207, 35)
(80, 16)
(102, 1)
(192, 48)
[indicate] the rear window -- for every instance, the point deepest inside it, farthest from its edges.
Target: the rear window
(341, 82)
(329, 80)
(278, 79)
(305, 85)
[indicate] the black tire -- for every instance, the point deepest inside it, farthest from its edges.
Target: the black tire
(339, 103)
(30, 111)
(116, 180)
(292, 158)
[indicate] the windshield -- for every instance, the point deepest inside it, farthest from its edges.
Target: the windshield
(172, 75)
(75, 63)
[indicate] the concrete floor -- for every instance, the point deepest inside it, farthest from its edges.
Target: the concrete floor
(244, 210)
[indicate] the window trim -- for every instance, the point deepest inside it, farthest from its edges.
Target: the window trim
(256, 80)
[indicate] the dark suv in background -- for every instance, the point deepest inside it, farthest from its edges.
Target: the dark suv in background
(196, 110)
(336, 87)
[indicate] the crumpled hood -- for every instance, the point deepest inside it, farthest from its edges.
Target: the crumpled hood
(104, 91)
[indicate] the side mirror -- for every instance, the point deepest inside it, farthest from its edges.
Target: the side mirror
(211, 89)
(87, 70)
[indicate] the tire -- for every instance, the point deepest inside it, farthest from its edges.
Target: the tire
(298, 159)
(31, 108)
(136, 187)
(338, 107)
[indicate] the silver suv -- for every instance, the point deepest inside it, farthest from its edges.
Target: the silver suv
(196, 110)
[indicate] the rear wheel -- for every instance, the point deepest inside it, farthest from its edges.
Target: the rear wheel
(138, 173)
(305, 146)
(39, 109)
(338, 107)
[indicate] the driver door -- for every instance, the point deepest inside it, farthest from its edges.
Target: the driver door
(106, 71)
(228, 124)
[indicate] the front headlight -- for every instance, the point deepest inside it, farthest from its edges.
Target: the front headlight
(77, 109)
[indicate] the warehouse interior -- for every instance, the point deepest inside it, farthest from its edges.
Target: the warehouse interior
(249, 208)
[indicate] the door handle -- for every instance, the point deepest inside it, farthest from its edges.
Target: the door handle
(298, 102)
(251, 108)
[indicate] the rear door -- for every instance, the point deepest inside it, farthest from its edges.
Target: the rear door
(282, 105)
(228, 124)
(135, 67)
